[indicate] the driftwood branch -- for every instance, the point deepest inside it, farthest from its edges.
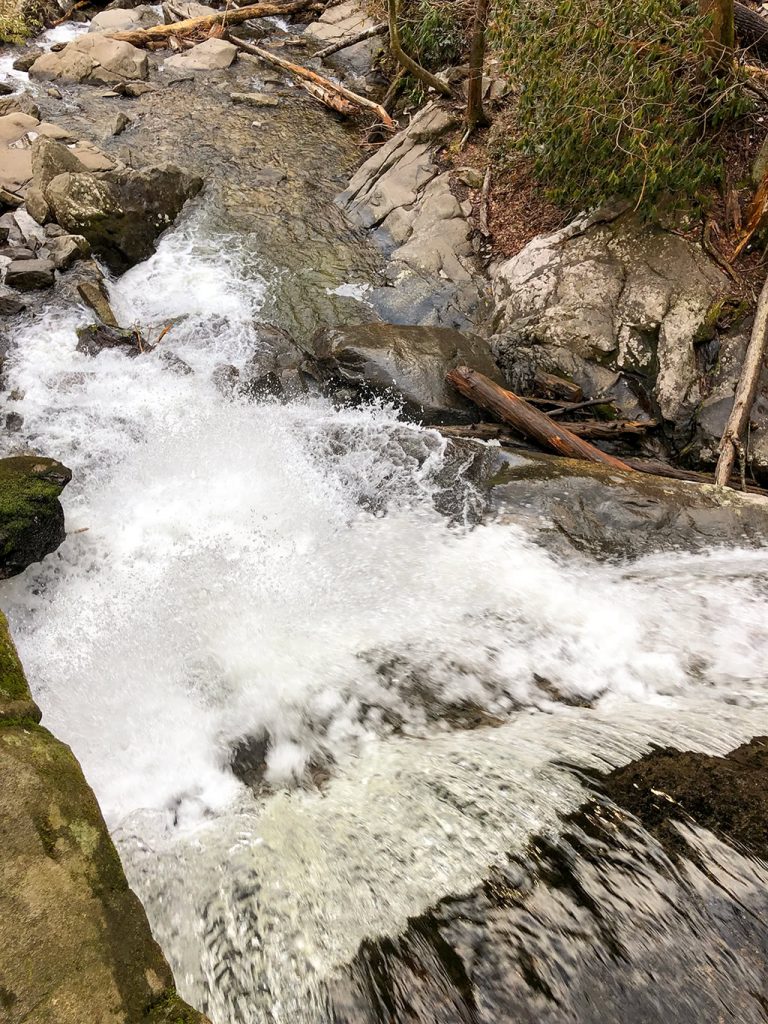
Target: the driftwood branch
(232, 16)
(312, 76)
(410, 65)
(523, 417)
(342, 44)
(745, 392)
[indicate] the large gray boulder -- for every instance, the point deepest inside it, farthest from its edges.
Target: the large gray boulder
(618, 306)
(95, 59)
(31, 517)
(404, 364)
(121, 212)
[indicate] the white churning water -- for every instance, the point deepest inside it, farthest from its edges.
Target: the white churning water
(235, 569)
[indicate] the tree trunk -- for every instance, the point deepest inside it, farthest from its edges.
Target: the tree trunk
(721, 29)
(410, 65)
(745, 392)
(475, 116)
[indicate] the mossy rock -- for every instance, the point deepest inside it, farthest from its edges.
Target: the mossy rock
(75, 943)
(31, 517)
(16, 702)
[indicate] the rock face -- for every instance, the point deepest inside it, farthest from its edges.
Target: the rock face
(75, 943)
(212, 55)
(31, 518)
(621, 308)
(404, 364)
(121, 212)
(401, 193)
(93, 59)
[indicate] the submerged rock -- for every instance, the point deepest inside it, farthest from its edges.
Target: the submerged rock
(121, 212)
(75, 944)
(31, 517)
(401, 364)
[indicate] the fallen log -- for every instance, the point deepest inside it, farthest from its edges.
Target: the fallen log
(531, 422)
(229, 16)
(311, 76)
(359, 37)
(745, 392)
(331, 100)
(751, 29)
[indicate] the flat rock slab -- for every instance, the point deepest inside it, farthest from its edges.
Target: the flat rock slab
(93, 58)
(254, 99)
(212, 55)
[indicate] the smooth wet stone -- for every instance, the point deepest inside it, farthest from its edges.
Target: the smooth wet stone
(96, 337)
(121, 212)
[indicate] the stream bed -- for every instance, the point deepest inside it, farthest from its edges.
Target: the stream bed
(275, 584)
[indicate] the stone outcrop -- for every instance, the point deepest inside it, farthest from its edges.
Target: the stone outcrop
(31, 517)
(406, 365)
(402, 195)
(121, 212)
(620, 307)
(75, 944)
(94, 59)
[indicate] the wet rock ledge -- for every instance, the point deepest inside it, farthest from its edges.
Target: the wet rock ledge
(75, 944)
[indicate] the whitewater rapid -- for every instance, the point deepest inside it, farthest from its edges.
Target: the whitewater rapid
(237, 570)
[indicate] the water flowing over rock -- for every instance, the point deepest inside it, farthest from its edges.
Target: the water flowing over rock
(121, 212)
(31, 518)
(401, 364)
(75, 944)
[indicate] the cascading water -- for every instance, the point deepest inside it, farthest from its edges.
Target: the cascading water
(239, 572)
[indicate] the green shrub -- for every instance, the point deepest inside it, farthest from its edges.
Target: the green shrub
(15, 26)
(434, 31)
(615, 98)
